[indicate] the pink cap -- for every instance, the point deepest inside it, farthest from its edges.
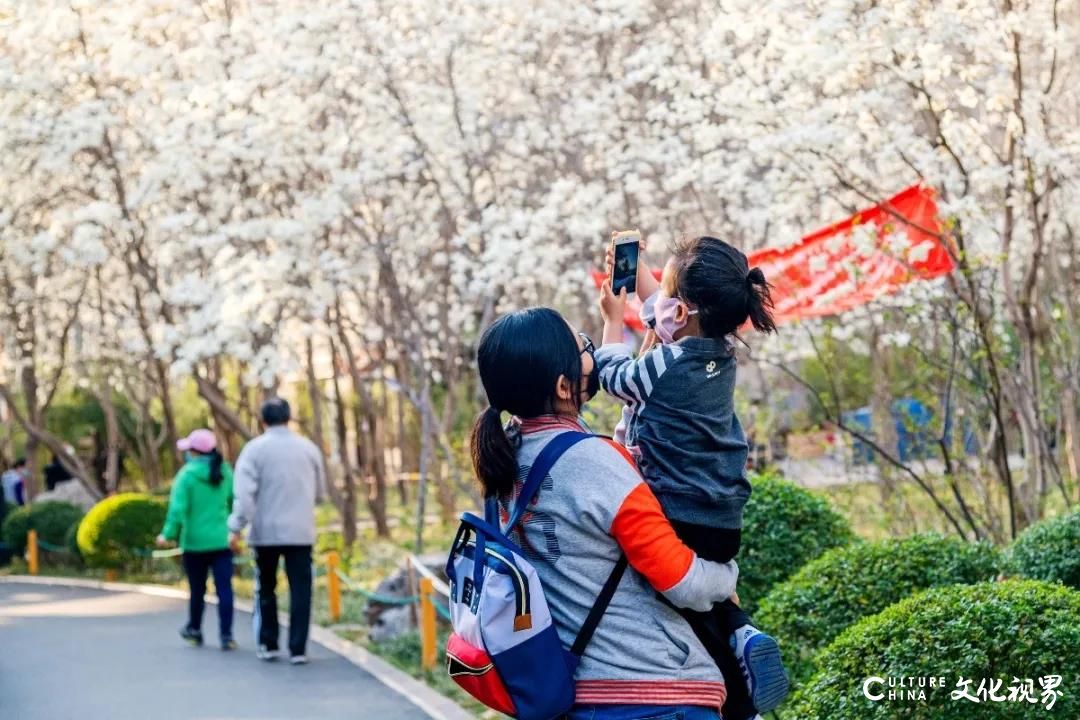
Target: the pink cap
(200, 440)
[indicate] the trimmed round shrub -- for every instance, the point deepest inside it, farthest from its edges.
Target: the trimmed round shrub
(784, 527)
(1024, 629)
(847, 584)
(1049, 550)
(52, 520)
(120, 529)
(16, 525)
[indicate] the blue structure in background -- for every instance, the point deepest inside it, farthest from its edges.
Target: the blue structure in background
(915, 438)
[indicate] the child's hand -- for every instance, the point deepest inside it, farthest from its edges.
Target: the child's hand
(612, 306)
(161, 541)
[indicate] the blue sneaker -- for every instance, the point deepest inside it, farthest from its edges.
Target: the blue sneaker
(759, 659)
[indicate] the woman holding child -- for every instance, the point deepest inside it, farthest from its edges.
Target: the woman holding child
(671, 623)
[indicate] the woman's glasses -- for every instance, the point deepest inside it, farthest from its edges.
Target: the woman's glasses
(588, 346)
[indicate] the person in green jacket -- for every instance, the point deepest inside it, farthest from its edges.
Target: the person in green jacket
(199, 507)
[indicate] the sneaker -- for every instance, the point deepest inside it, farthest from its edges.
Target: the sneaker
(759, 659)
(298, 659)
(191, 636)
(265, 653)
(228, 644)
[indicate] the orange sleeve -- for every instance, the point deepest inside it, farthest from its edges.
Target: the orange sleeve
(650, 543)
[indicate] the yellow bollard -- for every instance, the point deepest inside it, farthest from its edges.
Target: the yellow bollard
(427, 625)
(333, 585)
(32, 552)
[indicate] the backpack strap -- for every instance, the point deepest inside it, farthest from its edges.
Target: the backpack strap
(540, 468)
(588, 628)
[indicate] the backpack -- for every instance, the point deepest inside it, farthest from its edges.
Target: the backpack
(504, 649)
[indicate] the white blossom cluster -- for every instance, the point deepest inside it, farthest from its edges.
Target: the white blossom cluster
(218, 178)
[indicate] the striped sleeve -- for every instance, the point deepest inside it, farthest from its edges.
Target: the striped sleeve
(629, 379)
(653, 549)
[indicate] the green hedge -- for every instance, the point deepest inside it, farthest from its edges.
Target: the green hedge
(1049, 550)
(5, 552)
(784, 527)
(847, 584)
(51, 519)
(1015, 629)
(71, 542)
(120, 530)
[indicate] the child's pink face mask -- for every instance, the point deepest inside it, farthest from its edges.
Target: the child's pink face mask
(667, 322)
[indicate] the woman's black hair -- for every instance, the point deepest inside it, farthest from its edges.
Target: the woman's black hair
(215, 466)
(520, 358)
(716, 279)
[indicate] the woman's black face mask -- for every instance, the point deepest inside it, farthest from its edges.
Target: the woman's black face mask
(592, 382)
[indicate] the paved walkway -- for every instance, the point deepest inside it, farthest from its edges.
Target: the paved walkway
(79, 654)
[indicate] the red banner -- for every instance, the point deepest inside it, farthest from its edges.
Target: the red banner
(850, 263)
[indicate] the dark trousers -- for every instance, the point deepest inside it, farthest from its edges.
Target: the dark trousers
(298, 571)
(198, 565)
(715, 627)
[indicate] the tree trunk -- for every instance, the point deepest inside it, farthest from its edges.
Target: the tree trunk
(33, 472)
(401, 440)
(366, 453)
(374, 495)
(884, 430)
(318, 431)
(149, 457)
(1070, 414)
(165, 394)
(97, 462)
(348, 497)
(446, 471)
(33, 416)
(378, 471)
(426, 424)
(8, 455)
(1032, 489)
(219, 406)
(315, 396)
(112, 440)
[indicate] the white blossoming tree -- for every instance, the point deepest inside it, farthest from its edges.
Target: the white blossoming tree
(339, 196)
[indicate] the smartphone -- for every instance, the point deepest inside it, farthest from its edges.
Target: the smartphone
(625, 245)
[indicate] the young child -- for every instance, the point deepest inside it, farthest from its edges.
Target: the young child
(680, 424)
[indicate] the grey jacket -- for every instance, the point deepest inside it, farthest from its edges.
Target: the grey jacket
(592, 508)
(683, 429)
(278, 479)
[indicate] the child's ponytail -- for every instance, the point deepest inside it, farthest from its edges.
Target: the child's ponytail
(493, 456)
(759, 303)
(716, 279)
